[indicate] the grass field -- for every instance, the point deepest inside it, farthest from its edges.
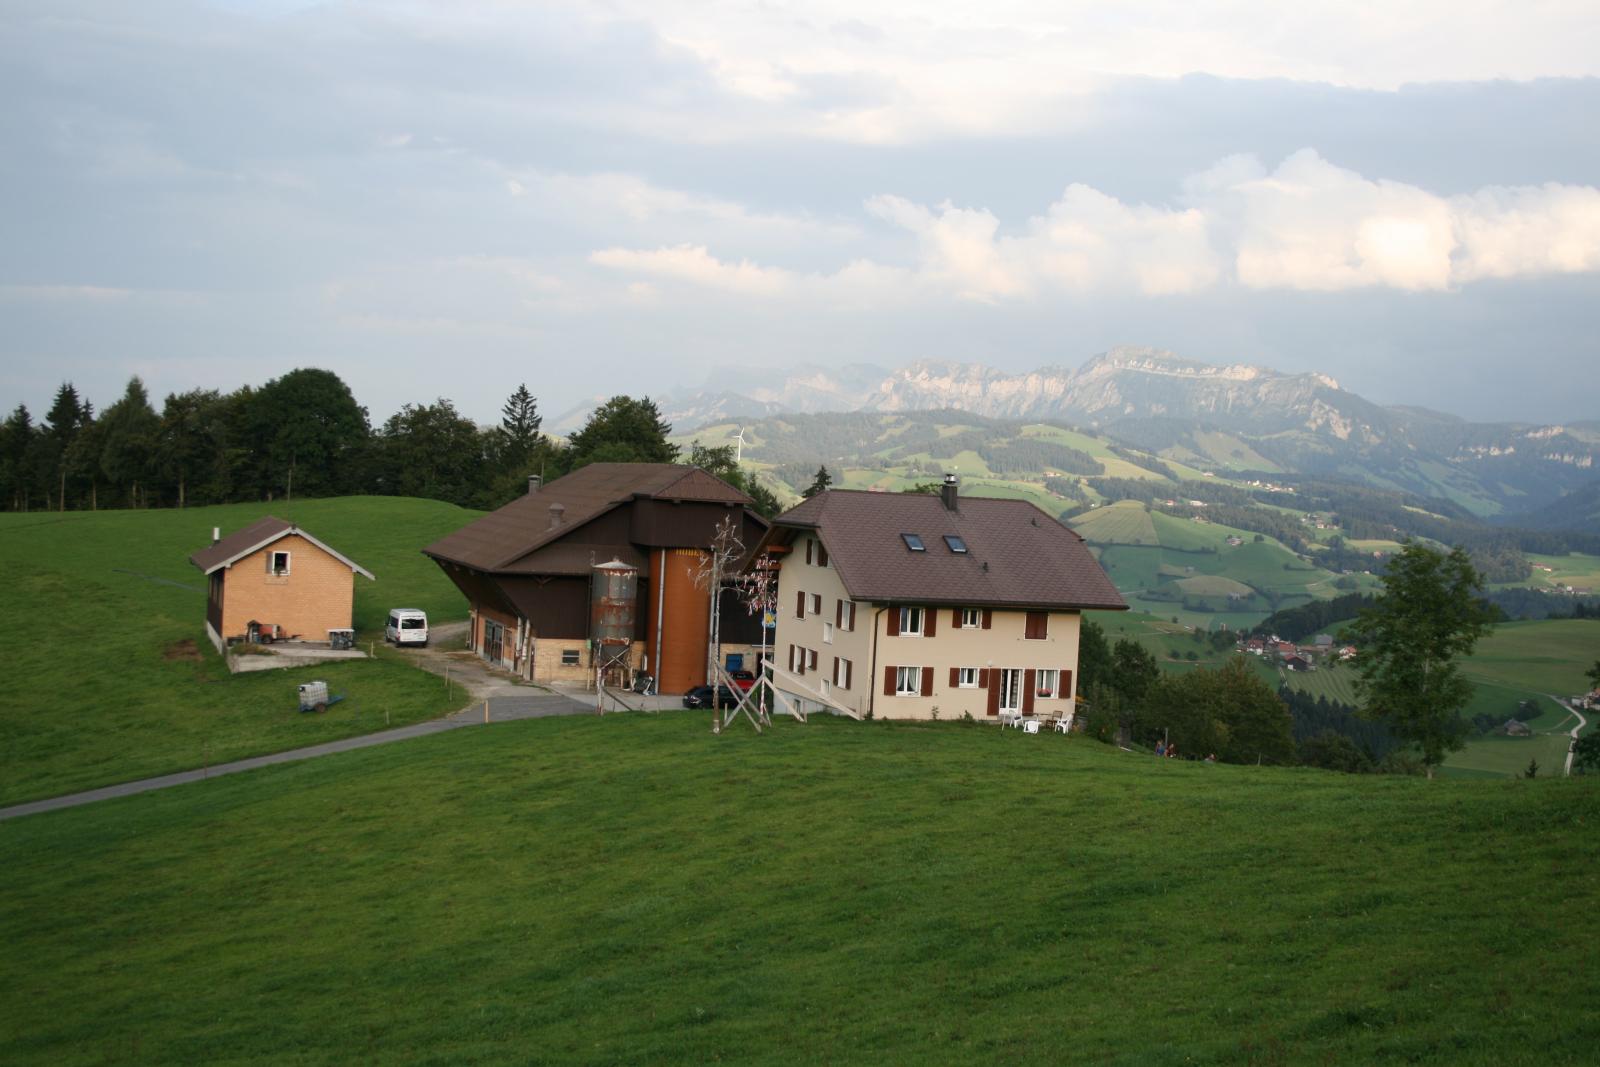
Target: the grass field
(109, 676)
(630, 890)
(1123, 523)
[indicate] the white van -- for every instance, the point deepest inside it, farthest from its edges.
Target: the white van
(407, 626)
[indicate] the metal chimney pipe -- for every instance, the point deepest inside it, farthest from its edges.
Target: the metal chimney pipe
(216, 534)
(948, 492)
(556, 511)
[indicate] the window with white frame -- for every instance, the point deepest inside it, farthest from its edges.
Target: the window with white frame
(827, 633)
(967, 678)
(971, 618)
(908, 681)
(847, 615)
(910, 622)
(816, 603)
(841, 673)
(278, 563)
(1045, 683)
(811, 659)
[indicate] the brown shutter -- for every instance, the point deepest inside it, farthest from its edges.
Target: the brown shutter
(835, 675)
(1064, 689)
(955, 619)
(848, 666)
(894, 622)
(1029, 677)
(851, 611)
(838, 614)
(800, 605)
(994, 692)
(888, 681)
(988, 616)
(1044, 625)
(791, 659)
(808, 551)
(983, 678)
(955, 677)
(927, 681)
(930, 625)
(822, 554)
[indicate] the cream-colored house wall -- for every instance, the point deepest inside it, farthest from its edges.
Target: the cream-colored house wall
(317, 595)
(796, 575)
(1000, 647)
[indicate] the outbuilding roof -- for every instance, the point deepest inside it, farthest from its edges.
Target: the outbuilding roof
(1016, 555)
(258, 535)
(506, 535)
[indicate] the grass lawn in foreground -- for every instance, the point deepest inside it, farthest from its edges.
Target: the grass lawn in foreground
(631, 890)
(109, 676)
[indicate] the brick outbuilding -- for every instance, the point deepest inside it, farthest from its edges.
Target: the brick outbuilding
(276, 574)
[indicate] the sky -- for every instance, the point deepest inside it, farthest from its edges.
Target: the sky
(448, 199)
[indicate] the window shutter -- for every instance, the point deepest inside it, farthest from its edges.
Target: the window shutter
(838, 614)
(888, 681)
(988, 617)
(927, 681)
(955, 677)
(808, 551)
(983, 678)
(1064, 686)
(894, 622)
(850, 610)
(955, 619)
(791, 659)
(835, 675)
(269, 561)
(822, 554)
(1029, 681)
(800, 605)
(848, 666)
(994, 692)
(930, 622)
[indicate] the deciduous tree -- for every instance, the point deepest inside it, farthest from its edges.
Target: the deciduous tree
(1410, 638)
(623, 430)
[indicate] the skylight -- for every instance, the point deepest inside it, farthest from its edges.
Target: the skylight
(914, 543)
(957, 545)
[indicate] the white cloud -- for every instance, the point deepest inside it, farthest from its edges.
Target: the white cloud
(1307, 225)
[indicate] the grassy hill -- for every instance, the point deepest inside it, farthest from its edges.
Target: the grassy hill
(631, 890)
(109, 676)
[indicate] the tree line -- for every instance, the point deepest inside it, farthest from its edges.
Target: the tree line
(304, 434)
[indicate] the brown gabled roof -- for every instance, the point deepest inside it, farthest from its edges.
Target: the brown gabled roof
(258, 535)
(504, 536)
(1017, 555)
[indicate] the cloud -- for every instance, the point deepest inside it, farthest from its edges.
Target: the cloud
(1307, 225)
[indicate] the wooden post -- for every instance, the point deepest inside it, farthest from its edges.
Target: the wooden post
(486, 711)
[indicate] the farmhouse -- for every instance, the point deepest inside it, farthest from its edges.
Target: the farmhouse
(599, 568)
(920, 606)
(278, 578)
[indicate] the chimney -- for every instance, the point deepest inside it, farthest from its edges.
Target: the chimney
(534, 482)
(556, 511)
(948, 492)
(216, 534)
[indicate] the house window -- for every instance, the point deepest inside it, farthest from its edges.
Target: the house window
(811, 659)
(822, 554)
(1037, 627)
(816, 603)
(908, 681)
(827, 633)
(955, 544)
(1045, 683)
(569, 657)
(910, 622)
(914, 543)
(278, 563)
(1011, 690)
(845, 615)
(841, 673)
(967, 678)
(970, 619)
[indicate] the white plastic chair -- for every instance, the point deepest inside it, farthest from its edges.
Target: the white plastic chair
(1031, 726)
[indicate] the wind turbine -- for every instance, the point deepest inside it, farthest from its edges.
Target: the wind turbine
(738, 443)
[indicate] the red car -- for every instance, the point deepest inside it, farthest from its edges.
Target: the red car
(745, 680)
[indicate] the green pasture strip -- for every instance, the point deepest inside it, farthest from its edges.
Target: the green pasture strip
(631, 890)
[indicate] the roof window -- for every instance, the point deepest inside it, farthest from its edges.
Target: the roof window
(914, 543)
(956, 545)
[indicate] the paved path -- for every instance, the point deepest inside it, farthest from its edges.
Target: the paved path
(506, 702)
(1582, 722)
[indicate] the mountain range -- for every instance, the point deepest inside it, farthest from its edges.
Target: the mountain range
(1237, 417)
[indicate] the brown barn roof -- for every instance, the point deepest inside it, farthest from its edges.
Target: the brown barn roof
(507, 534)
(256, 536)
(1017, 555)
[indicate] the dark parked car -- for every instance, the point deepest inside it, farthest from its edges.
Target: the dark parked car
(700, 697)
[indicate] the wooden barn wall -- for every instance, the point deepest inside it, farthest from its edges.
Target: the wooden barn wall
(663, 524)
(480, 589)
(556, 607)
(738, 625)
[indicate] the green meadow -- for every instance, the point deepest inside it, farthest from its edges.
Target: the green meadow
(109, 675)
(632, 890)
